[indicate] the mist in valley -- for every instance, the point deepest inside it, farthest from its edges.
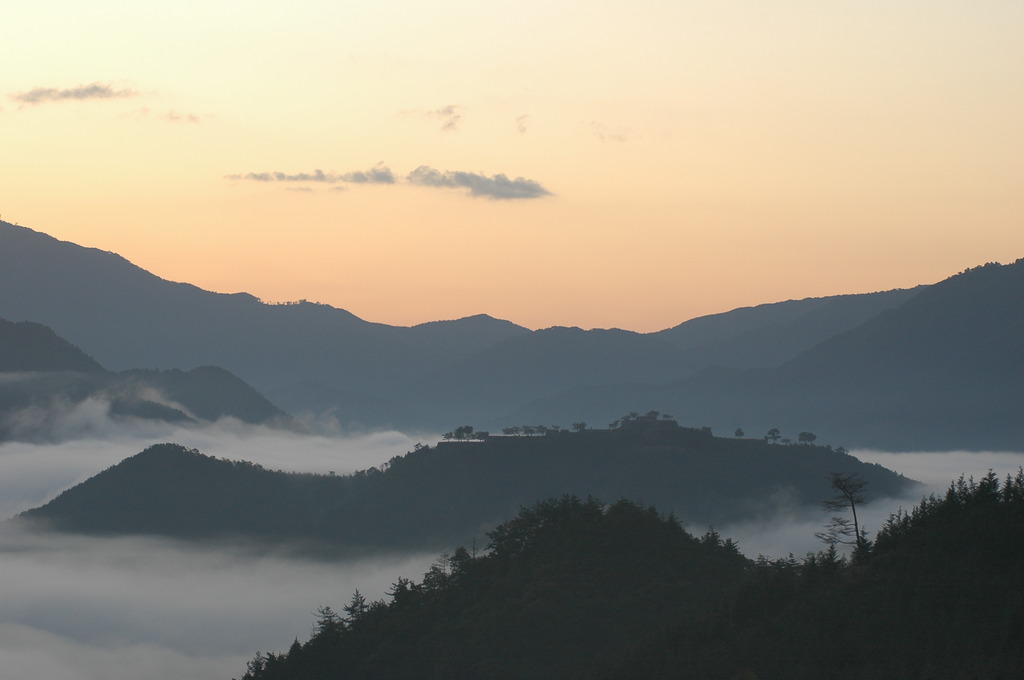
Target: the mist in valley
(791, 527)
(83, 608)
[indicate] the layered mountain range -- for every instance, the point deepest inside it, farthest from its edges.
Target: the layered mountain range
(44, 380)
(935, 366)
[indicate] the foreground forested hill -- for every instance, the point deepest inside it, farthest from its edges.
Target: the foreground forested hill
(434, 497)
(574, 589)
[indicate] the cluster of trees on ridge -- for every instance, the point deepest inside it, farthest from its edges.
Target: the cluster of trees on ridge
(572, 588)
(632, 419)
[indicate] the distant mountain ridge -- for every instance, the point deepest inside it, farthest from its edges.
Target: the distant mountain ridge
(943, 370)
(315, 358)
(43, 378)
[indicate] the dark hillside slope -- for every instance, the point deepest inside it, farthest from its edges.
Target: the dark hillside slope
(573, 589)
(28, 346)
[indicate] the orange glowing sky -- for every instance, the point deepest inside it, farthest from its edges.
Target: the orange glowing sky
(696, 156)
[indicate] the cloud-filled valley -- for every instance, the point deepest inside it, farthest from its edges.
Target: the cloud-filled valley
(87, 608)
(81, 608)
(146, 609)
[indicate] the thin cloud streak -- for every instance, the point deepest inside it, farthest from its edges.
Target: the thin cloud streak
(378, 174)
(40, 95)
(606, 134)
(498, 186)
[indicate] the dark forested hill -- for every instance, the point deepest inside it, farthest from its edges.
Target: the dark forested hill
(432, 497)
(574, 589)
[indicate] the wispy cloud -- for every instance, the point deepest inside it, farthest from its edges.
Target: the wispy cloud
(522, 122)
(40, 95)
(378, 174)
(175, 117)
(170, 116)
(606, 134)
(450, 116)
(496, 186)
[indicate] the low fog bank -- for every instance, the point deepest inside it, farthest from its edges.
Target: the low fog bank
(937, 470)
(791, 528)
(86, 608)
(33, 473)
(140, 609)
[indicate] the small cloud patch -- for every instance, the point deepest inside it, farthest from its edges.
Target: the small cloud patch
(40, 95)
(450, 116)
(496, 186)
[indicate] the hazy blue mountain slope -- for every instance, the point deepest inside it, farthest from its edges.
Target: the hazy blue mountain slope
(901, 368)
(543, 363)
(769, 335)
(127, 317)
(209, 393)
(28, 346)
(44, 379)
(943, 370)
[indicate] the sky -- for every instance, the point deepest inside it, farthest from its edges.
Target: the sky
(604, 164)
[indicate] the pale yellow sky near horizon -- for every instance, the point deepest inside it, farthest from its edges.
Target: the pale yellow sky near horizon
(698, 156)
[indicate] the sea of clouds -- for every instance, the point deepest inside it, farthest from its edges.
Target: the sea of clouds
(120, 608)
(87, 608)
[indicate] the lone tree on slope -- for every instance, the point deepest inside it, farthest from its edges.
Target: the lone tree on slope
(849, 494)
